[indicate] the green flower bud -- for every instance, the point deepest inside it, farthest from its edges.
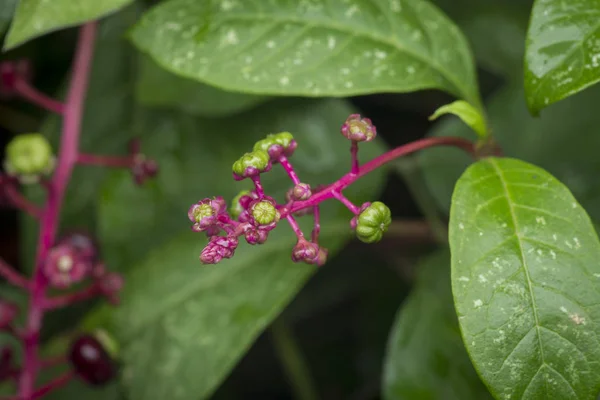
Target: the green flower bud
(277, 144)
(265, 213)
(372, 222)
(236, 207)
(251, 164)
(28, 156)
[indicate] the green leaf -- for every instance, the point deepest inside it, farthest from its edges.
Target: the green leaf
(208, 316)
(337, 48)
(546, 141)
(7, 9)
(466, 112)
(34, 18)
(525, 276)
(156, 87)
(426, 358)
(496, 31)
(562, 54)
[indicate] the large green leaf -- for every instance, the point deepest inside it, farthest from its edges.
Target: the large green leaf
(562, 54)
(209, 315)
(34, 18)
(7, 9)
(426, 358)
(547, 141)
(157, 87)
(311, 48)
(496, 31)
(525, 277)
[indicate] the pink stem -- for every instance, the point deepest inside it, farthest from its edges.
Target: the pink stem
(317, 224)
(52, 303)
(258, 186)
(28, 92)
(53, 385)
(104, 161)
(354, 153)
(285, 163)
(67, 159)
(12, 276)
(295, 227)
(19, 201)
(344, 200)
(391, 155)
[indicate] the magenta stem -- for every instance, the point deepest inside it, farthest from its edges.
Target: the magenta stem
(19, 201)
(67, 159)
(28, 92)
(12, 276)
(285, 163)
(354, 154)
(294, 225)
(344, 200)
(65, 300)
(349, 178)
(317, 224)
(104, 161)
(53, 385)
(258, 186)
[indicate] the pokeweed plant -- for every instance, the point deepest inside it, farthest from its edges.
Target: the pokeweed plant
(523, 252)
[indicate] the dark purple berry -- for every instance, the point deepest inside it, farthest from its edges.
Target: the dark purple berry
(91, 361)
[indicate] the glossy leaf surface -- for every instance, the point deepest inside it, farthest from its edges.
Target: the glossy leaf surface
(526, 281)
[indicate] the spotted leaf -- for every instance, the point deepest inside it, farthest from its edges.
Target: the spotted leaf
(311, 48)
(526, 282)
(562, 54)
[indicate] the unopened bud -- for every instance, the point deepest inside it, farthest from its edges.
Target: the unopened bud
(237, 205)
(251, 164)
(28, 156)
(256, 236)
(359, 129)
(301, 192)
(277, 144)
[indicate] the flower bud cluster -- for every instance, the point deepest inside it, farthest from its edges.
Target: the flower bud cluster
(253, 215)
(277, 145)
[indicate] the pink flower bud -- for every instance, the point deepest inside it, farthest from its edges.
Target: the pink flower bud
(358, 129)
(256, 236)
(218, 248)
(64, 266)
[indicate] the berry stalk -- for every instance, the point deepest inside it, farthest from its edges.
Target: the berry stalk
(73, 113)
(348, 179)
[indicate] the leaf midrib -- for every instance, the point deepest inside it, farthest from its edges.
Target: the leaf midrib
(452, 79)
(513, 215)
